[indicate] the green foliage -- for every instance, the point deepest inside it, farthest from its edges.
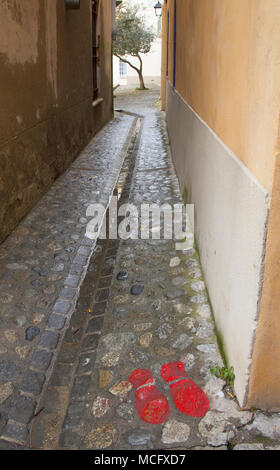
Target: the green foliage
(133, 37)
(224, 373)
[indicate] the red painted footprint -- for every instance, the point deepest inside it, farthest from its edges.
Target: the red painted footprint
(187, 396)
(151, 404)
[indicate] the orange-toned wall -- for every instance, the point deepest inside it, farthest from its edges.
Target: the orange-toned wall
(227, 70)
(264, 385)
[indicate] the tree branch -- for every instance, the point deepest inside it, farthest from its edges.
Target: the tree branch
(127, 62)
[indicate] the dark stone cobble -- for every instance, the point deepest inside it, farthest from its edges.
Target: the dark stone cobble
(33, 382)
(137, 289)
(122, 276)
(41, 360)
(31, 333)
(49, 340)
(8, 369)
(61, 306)
(56, 322)
(15, 432)
(23, 409)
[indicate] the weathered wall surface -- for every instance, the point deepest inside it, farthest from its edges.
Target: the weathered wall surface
(223, 120)
(46, 114)
(227, 70)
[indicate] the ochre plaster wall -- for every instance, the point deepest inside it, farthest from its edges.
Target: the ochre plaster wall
(227, 70)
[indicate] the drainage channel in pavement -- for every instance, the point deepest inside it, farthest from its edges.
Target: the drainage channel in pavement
(43, 264)
(157, 314)
(63, 402)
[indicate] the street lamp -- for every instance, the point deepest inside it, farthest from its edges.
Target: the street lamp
(158, 7)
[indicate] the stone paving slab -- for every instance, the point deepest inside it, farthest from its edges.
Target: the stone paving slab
(42, 265)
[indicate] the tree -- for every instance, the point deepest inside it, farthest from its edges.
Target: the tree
(133, 38)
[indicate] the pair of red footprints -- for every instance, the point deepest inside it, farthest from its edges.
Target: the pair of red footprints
(151, 404)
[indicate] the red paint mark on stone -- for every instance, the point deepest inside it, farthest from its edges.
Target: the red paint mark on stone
(187, 396)
(151, 404)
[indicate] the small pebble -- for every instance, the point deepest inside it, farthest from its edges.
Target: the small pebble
(139, 438)
(100, 406)
(21, 320)
(36, 283)
(137, 289)
(39, 271)
(122, 276)
(31, 333)
(174, 262)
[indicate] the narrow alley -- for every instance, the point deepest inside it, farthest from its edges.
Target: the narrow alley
(80, 317)
(139, 229)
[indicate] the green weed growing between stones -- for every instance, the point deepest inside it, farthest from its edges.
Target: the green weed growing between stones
(224, 373)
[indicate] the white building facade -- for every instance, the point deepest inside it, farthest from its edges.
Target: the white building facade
(126, 75)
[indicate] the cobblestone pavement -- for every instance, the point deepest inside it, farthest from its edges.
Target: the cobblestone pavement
(157, 311)
(42, 265)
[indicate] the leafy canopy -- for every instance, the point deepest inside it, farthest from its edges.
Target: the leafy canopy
(133, 36)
